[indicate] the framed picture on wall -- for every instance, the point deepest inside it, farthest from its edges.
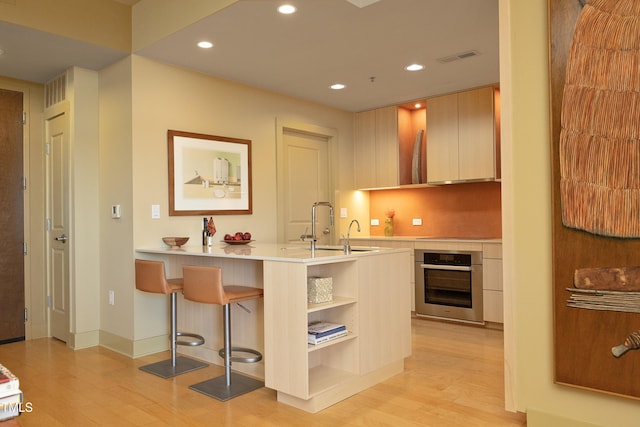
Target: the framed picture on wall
(595, 134)
(208, 174)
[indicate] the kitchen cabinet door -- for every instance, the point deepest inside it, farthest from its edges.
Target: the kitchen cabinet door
(442, 138)
(376, 148)
(476, 139)
(365, 149)
(387, 147)
(461, 137)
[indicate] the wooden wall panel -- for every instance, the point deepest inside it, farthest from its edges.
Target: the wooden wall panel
(584, 338)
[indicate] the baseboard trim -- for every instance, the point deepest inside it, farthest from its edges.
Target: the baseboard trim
(537, 418)
(82, 340)
(132, 348)
(150, 346)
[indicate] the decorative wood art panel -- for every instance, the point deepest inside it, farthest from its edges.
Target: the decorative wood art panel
(595, 104)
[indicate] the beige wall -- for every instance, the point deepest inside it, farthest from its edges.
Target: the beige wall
(82, 93)
(527, 233)
(116, 235)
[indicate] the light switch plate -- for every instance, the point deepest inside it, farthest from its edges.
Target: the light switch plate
(343, 212)
(375, 221)
(155, 211)
(417, 221)
(115, 211)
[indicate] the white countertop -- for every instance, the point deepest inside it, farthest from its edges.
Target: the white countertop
(429, 238)
(292, 252)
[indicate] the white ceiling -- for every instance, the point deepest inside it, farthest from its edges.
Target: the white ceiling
(325, 42)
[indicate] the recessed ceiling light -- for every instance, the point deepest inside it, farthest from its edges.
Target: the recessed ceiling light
(362, 3)
(337, 86)
(414, 67)
(205, 45)
(286, 9)
(417, 105)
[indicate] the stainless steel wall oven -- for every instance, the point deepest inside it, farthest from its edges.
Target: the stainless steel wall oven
(449, 285)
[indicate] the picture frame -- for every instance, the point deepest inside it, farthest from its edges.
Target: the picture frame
(208, 174)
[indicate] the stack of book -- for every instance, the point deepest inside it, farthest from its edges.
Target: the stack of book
(320, 332)
(10, 395)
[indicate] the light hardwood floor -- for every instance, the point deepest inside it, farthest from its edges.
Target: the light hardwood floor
(453, 378)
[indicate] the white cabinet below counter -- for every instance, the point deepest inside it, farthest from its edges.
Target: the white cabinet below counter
(397, 244)
(492, 282)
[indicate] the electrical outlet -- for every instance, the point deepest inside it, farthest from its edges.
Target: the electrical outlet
(112, 298)
(343, 212)
(375, 221)
(155, 211)
(417, 221)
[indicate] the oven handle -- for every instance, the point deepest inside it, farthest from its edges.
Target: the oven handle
(445, 267)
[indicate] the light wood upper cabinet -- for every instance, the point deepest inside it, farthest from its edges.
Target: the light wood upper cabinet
(442, 129)
(461, 136)
(365, 149)
(376, 148)
(387, 146)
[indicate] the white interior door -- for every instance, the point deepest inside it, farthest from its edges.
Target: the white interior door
(305, 179)
(57, 139)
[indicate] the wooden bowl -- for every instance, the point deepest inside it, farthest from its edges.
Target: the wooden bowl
(175, 242)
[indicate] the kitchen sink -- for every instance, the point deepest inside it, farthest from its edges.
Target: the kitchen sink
(341, 248)
(336, 248)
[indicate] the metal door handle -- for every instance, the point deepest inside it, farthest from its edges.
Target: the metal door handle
(444, 267)
(326, 231)
(62, 238)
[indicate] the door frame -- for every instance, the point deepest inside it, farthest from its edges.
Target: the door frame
(283, 125)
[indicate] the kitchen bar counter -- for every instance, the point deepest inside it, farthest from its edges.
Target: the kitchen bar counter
(292, 252)
(371, 296)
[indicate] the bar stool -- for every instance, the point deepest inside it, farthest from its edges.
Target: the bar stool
(204, 284)
(150, 277)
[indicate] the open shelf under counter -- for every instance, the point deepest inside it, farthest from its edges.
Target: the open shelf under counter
(314, 377)
(336, 302)
(311, 347)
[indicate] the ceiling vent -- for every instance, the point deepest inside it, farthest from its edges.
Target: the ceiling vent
(457, 56)
(55, 91)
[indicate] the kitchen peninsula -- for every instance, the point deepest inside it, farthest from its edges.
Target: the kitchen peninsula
(371, 296)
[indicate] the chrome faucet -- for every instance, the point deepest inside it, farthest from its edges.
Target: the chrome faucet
(313, 238)
(347, 243)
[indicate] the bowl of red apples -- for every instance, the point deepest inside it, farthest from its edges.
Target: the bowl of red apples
(239, 238)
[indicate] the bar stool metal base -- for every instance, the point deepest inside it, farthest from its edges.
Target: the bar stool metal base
(176, 365)
(166, 369)
(193, 340)
(257, 356)
(218, 388)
